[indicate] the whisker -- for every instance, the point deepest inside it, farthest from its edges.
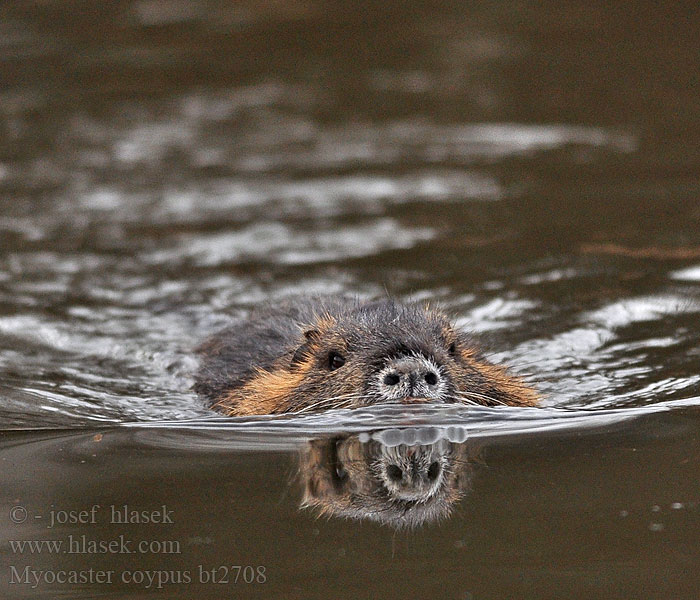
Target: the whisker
(470, 395)
(333, 402)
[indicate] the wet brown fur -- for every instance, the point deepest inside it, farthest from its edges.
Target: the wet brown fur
(297, 379)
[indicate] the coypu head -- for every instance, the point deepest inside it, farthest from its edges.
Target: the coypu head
(402, 486)
(384, 352)
(339, 353)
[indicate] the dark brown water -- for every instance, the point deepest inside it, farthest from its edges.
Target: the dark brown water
(533, 167)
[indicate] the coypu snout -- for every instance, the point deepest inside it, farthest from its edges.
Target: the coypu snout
(412, 377)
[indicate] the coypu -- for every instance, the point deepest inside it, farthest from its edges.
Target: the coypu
(403, 485)
(316, 353)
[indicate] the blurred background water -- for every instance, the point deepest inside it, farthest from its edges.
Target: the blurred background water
(533, 167)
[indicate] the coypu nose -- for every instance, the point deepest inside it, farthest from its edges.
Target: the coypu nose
(430, 378)
(411, 376)
(392, 379)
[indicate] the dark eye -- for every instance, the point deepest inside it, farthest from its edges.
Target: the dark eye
(452, 349)
(335, 361)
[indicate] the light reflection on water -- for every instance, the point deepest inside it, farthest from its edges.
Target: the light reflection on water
(388, 425)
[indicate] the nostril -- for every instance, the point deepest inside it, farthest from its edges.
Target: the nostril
(394, 473)
(431, 378)
(433, 471)
(391, 379)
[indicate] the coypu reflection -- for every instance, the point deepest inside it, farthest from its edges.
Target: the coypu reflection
(403, 485)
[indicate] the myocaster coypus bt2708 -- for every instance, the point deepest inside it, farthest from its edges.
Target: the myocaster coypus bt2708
(313, 354)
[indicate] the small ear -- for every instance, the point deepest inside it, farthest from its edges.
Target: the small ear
(311, 336)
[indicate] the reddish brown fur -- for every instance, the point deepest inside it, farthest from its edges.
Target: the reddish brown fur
(295, 377)
(267, 393)
(500, 379)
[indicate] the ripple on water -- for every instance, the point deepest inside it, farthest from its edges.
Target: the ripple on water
(603, 359)
(280, 243)
(389, 425)
(689, 274)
